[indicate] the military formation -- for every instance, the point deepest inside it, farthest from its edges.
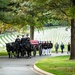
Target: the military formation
(20, 47)
(46, 47)
(24, 48)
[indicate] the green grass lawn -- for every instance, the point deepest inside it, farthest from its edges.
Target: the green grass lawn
(3, 52)
(60, 65)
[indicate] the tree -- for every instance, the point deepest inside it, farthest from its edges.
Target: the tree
(72, 56)
(22, 13)
(65, 8)
(69, 11)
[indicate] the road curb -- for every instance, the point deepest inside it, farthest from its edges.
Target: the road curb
(42, 71)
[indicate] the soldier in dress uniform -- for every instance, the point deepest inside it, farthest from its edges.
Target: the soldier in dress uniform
(17, 43)
(62, 47)
(68, 48)
(23, 51)
(28, 45)
(50, 46)
(45, 47)
(43, 50)
(27, 37)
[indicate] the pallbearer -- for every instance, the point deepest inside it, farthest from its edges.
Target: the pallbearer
(50, 46)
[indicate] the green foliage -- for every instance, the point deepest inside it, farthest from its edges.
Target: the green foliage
(35, 12)
(6, 17)
(39, 1)
(3, 54)
(4, 3)
(71, 12)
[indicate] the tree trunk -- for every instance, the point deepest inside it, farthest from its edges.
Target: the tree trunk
(72, 56)
(31, 32)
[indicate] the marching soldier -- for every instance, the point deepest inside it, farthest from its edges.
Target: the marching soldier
(68, 48)
(43, 50)
(44, 45)
(50, 46)
(62, 47)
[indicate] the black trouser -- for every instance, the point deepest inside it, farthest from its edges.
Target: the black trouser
(61, 50)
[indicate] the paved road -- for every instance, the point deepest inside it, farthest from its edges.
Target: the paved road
(20, 66)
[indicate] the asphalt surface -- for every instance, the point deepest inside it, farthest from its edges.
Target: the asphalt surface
(21, 66)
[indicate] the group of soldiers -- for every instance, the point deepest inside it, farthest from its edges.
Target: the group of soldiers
(24, 46)
(23, 42)
(19, 47)
(46, 47)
